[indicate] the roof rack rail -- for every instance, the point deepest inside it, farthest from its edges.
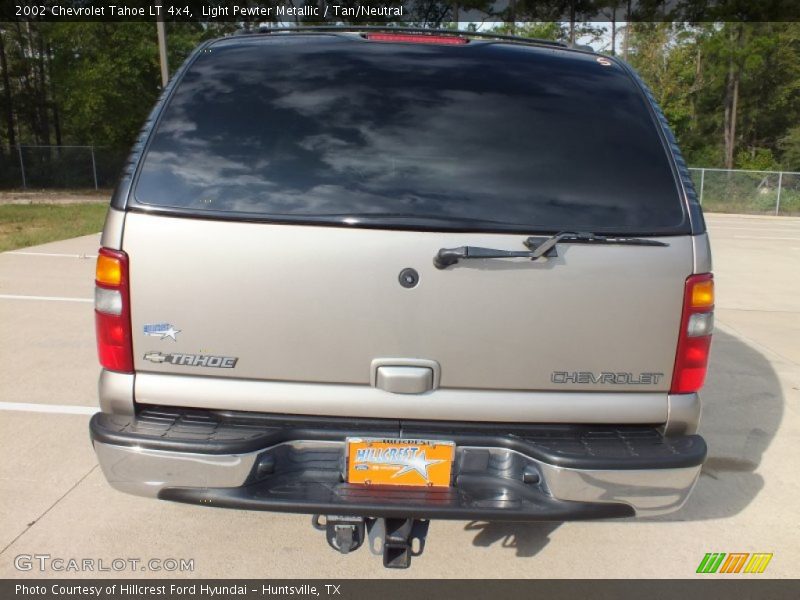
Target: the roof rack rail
(262, 29)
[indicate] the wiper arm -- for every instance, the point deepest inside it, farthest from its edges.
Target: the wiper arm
(538, 247)
(447, 257)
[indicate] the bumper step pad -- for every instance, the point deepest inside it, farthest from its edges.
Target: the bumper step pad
(568, 446)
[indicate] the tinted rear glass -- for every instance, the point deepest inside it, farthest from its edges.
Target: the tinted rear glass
(478, 136)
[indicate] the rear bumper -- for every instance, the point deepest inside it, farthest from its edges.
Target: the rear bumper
(295, 464)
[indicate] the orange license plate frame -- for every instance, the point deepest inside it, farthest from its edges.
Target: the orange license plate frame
(389, 461)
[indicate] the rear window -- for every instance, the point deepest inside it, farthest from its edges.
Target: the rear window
(481, 136)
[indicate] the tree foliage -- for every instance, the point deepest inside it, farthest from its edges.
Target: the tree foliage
(731, 90)
(85, 82)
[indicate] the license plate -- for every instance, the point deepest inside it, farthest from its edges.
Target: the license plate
(399, 462)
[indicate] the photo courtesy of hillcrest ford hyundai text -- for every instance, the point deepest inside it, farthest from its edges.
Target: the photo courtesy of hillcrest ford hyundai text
(380, 277)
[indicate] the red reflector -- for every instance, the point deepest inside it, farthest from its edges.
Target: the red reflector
(416, 38)
(113, 343)
(691, 358)
(691, 366)
(114, 347)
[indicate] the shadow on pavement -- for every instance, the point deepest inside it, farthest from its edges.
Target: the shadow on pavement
(742, 410)
(527, 539)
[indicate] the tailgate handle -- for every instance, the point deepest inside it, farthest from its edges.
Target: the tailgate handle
(404, 380)
(404, 375)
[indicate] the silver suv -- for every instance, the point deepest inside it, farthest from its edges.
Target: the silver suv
(386, 276)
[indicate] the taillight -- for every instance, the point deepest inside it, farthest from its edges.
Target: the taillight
(416, 38)
(694, 342)
(112, 311)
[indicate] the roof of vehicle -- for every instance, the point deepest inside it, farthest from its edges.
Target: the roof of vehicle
(365, 30)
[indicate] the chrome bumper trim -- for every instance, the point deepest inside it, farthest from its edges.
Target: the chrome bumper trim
(145, 472)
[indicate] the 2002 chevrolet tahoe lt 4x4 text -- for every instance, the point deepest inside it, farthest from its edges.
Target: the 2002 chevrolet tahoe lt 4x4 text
(390, 276)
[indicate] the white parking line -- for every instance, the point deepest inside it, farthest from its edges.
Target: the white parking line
(731, 232)
(22, 253)
(764, 237)
(61, 409)
(765, 230)
(48, 298)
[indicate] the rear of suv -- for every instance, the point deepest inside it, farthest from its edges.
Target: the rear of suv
(393, 276)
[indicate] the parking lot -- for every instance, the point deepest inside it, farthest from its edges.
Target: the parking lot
(54, 499)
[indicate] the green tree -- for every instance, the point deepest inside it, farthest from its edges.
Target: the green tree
(86, 82)
(790, 147)
(543, 30)
(730, 90)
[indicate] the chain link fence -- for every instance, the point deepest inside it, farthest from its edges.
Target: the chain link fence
(81, 167)
(60, 167)
(748, 192)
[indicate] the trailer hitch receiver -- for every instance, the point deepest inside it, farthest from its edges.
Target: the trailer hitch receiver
(397, 540)
(394, 538)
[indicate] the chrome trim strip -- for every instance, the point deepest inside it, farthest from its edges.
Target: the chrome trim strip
(364, 401)
(649, 491)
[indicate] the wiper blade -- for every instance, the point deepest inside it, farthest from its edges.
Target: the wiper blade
(538, 247)
(582, 237)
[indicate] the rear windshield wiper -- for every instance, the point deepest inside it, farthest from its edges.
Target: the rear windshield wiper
(538, 247)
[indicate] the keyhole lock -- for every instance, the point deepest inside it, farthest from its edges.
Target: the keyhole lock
(408, 278)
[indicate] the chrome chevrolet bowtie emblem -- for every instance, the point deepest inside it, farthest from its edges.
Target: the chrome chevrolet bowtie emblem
(155, 357)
